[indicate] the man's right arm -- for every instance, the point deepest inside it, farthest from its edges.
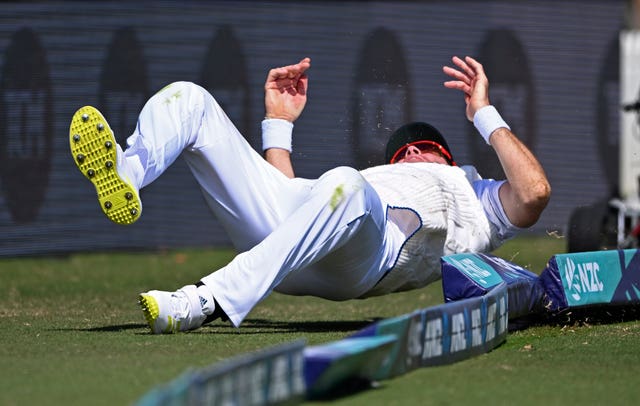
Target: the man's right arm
(281, 159)
(285, 96)
(276, 143)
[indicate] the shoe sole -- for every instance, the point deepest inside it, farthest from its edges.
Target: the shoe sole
(93, 148)
(151, 311)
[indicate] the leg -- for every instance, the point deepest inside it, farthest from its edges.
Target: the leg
(245, 192)
(242, 189)
(334, 246)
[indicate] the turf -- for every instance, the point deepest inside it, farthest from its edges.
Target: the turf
(72, 334)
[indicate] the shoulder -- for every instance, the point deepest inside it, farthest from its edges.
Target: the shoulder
(471, 173)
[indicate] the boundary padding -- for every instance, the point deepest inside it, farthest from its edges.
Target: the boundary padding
(483, 293)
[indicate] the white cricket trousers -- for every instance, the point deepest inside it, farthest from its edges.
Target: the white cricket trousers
(326, 237)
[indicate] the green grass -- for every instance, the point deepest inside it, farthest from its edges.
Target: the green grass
(72, 334)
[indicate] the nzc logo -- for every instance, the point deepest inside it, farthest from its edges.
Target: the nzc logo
(582, 278)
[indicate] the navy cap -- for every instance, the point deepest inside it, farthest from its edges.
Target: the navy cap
(412, 132)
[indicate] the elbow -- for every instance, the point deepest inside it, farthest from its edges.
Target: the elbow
(535, 202)
(540, 195)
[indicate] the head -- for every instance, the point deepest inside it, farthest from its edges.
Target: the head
(418, 142)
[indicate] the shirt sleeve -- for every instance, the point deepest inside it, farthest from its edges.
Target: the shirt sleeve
(487, 191)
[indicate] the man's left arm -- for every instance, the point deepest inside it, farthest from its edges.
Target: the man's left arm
(526, 192)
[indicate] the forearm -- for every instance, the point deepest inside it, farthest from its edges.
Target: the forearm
(526, 192)
(281, 160)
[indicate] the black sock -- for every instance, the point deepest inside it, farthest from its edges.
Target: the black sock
(218, 313)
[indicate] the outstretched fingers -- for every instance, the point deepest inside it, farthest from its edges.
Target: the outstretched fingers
(474, 66)
(465, 65)
(456, 84)
(462, 82)
(466, 73)
(456, 74)
(463, 75)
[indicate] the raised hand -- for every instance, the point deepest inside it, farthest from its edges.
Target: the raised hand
(472, 81)
(285, 91)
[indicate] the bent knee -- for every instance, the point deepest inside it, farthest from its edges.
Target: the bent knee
(178, 86)
(343, 175)
(342, 183)
(183, 91)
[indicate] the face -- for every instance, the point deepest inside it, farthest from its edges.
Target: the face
(421, 151)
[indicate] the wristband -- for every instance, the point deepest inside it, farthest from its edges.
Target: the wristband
(487, 120)
(276, 133)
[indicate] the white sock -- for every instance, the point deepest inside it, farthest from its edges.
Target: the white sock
(130, 166)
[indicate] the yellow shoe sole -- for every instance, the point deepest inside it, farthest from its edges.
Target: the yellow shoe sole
(151, 311)
(93, 148)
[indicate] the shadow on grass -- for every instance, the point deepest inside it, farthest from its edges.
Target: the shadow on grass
(250, 326)
(325, 326)
(118, 328)
(265, 326)
(575, 317)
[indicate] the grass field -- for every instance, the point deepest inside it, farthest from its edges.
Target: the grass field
(72, 334)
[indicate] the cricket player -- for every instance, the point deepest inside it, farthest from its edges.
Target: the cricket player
(345, 235)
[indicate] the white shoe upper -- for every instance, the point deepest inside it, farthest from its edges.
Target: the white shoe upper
(170, 312)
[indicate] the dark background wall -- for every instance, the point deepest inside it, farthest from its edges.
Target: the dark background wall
(553, 68)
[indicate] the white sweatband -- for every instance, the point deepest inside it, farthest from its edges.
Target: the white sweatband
(487, 120)
(277, 133)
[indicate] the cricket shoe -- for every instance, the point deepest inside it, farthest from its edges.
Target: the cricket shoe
(171, 312)
(99, 158)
